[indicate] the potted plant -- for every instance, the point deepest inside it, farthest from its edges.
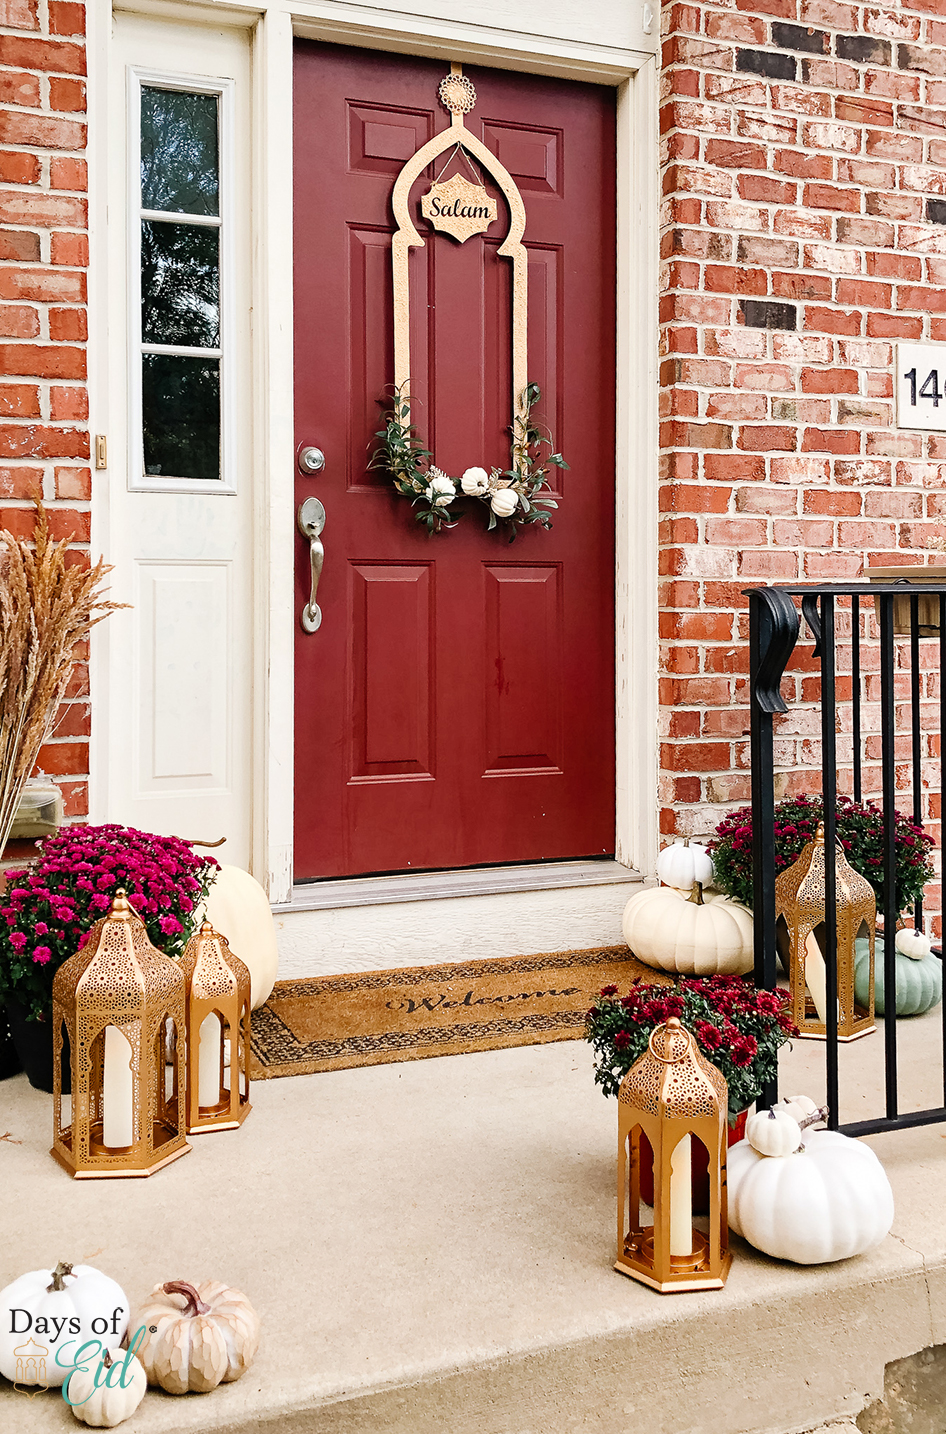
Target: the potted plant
(50, 906)
(737, 1027)
(860, 830)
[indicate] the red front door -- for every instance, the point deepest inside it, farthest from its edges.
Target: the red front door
(456, 706)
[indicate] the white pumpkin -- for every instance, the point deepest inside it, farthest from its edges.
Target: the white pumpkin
(913, 944)
(57, 1310)
(118, 1395)
(238, 907)
(802, 1109)
(773, 1132)
(689, 935)
(683, 863)
(828, 1202)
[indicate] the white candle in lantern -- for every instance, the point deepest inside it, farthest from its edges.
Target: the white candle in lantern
(208, 1061)
(117, 1099)
(681, 1200)
(816, 977)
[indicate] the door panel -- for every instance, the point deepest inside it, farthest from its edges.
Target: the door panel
(456, 706)
(524, 643)
(183, 737)
(392, 663)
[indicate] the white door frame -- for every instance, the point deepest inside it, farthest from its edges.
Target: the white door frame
(570, 52)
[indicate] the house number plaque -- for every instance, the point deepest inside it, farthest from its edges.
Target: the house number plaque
(921, 387)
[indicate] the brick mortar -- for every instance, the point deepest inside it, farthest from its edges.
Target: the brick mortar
(779, 456)
(764, 476)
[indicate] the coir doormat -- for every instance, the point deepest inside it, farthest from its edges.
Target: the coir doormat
(331, 1022)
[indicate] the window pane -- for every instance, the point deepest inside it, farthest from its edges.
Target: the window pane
(180, 285)
(181, 416)
(179, 151)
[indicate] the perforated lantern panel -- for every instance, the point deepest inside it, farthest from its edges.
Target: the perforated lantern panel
(217, 983)
(800, 898)
(119, 979)
(670, 1093)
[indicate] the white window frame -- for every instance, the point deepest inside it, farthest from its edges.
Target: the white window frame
(138, 480)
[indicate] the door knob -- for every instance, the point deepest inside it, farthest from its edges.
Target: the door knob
(311, 521)
(311, 460)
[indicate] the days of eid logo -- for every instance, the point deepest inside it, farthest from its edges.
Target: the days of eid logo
(52, 1326)
(33, 1358)
(111, 1375)
(30, 1374)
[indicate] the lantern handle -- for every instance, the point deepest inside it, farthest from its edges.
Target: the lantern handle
(819, 840)
(673, 1023)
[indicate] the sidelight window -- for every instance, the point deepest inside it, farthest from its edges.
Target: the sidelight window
(179, 314)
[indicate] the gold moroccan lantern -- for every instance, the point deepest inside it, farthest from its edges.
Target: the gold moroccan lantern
(118, 1000)
(218, 1015)
(800, 912)
(673, 1096)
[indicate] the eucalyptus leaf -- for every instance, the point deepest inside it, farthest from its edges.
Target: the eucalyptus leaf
(402, 455)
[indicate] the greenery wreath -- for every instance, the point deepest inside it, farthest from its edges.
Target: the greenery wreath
(515, 496)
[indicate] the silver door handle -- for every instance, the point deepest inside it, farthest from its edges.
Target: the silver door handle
(311, 521)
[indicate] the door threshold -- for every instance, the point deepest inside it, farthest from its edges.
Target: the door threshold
(441, 885)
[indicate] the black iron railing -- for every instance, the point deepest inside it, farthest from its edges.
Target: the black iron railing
(839, 617)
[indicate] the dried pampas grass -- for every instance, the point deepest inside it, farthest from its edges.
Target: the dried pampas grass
(48, 606)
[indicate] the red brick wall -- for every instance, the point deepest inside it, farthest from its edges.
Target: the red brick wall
(803, 231)
(44, 439)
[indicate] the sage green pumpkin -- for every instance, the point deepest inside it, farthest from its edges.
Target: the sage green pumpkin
(919, 983)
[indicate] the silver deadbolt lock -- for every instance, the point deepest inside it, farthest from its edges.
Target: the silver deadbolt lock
(311, 460)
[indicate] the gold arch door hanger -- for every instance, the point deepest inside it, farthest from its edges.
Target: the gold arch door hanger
(460, 209)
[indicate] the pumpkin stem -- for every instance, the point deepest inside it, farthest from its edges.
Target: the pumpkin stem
(107, 1359)
(59, 1277)
(820, 1114)
(195, 1305)
(696, 895)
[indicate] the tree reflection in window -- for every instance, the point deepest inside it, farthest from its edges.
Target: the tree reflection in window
(181, 412)
(179, 165)
(180, 284)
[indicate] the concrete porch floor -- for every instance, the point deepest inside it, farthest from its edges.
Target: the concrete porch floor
(429, 1246)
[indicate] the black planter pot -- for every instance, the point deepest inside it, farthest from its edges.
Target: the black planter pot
(34, 1046)
(10, 1064)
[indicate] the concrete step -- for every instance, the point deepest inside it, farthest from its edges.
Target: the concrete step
(430, 1247)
